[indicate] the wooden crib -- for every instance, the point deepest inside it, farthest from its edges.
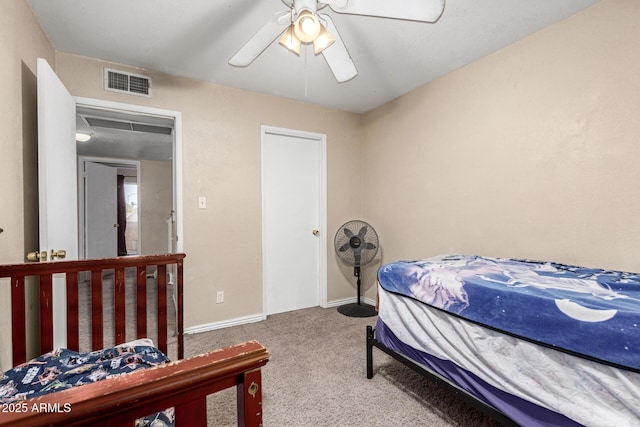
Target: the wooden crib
(120, 400)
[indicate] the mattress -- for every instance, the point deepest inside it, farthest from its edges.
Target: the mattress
(590, 312)
(583, 390)
(519, 410)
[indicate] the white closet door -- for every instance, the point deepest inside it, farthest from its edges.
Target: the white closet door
(292, 210)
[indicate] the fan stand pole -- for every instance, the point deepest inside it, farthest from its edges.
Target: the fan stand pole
(357, 309)
(356, 272)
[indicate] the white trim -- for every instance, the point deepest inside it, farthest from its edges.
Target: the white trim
(177, 144)
(207, 327)
(322, 139)
(224, 324)
(351, 300)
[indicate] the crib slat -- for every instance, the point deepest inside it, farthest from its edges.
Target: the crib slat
(141, 301)
(19, 345)
(73, 333)
(97, 341)
(46, 313)
(179, 311)
(119, 306)
(249, 398)
(162, 308)
(192, 414)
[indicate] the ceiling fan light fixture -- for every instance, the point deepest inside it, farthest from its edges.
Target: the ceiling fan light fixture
(323, 41)
(307, 26)
(290, 41)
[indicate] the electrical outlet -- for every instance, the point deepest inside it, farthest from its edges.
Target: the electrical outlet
(220, 297)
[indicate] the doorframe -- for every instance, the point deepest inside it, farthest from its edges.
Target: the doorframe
(177, 150)
(322, 140)
(82, 230)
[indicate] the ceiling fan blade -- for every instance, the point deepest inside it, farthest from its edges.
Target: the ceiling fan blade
(348, 232)
(344, 247)
(337, 56)
(370, 246)
(261, 40)
(362, 232)
(412, 10)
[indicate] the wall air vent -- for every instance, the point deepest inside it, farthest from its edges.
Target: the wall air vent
(134, 84)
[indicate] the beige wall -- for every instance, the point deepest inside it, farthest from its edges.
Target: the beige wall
(530, 152)
(21, 42)
(155, 205)
(221, 145)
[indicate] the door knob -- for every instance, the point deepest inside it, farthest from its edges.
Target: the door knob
(36, 256)
(60, 254)
(315, 232)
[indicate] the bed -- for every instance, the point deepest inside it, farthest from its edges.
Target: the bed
(127, 314)
(531, 343)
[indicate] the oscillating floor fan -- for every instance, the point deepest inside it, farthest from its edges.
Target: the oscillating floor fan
(356, 243)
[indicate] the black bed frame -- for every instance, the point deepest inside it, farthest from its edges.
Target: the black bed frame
(459, 392)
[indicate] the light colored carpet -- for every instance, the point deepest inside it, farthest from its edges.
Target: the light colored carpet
(84, 311)
(317, 377)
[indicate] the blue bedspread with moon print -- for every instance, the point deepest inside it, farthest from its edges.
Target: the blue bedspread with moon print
(591, 312)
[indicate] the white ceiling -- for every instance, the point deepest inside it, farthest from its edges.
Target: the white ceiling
(196, 38)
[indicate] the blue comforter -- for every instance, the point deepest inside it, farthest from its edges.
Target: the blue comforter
(62, 369)
(590, 312)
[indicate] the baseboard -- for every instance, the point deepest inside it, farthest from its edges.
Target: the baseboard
(351, 300)
(259, 317)
(224, 324)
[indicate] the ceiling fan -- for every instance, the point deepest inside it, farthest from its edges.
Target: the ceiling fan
(302, 24)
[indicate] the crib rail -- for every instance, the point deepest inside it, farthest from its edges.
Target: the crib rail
(45, 271)
(184, 385)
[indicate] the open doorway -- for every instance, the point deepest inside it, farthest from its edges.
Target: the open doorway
(128, 197)
(58, 221)
(132, 225)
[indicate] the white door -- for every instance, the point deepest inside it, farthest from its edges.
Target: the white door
(294, 238)
(101, 210)
(57, 180)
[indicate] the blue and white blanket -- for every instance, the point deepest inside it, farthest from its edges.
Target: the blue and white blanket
(62, 369)
(590, 312)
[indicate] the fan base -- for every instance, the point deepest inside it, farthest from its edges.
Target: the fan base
(357, 310)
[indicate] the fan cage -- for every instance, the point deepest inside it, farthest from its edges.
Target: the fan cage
(356, 243)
